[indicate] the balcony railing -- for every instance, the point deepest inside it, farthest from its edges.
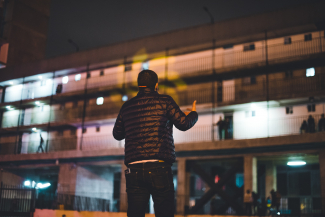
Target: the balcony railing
(250, 128)
(177, 67)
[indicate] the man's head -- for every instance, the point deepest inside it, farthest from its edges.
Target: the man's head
(147, 78)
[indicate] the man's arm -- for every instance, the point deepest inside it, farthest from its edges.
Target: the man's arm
(118, 130)
(181, 121)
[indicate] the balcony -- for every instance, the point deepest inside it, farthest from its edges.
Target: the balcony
(220, 60)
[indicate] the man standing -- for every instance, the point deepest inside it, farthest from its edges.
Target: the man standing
(146, 122)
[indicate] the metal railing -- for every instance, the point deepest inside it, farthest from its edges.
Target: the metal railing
(253, 127)
(177, 68)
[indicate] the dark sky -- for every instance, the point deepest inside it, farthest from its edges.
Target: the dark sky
(95, 23)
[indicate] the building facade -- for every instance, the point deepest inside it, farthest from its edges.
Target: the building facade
(259, 82)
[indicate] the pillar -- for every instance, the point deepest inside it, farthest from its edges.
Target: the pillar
(123, 196)
(322, 177)
(183, 187)
(67, 179)
(250, 174)
(270, 178)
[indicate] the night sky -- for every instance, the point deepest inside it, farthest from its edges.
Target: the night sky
(95, 23)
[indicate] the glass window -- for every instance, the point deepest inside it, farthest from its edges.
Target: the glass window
(289, 110)
(248, 47)
(287, 40)
(308, 37)
(311, 107)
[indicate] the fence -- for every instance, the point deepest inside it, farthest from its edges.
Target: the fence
(16, 200)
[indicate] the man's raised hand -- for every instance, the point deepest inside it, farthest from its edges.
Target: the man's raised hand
(193, 108)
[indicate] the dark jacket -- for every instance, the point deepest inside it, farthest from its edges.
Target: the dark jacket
(146, 122)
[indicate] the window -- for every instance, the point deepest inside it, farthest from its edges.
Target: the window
(100, 101)
(84, 130)
(88, 75)
(65, 79)
(228, 46)
(287, 40)
(59, 88)
(311, 107)
(249, 80)
(98, 129)
(288, 74)
(308, 37)
(127, 67)
(249, 47)
(77, 77)
(310, 72)
(73, 132)
(289, 110)
(101, 73)
(249, 114)
(253, 113)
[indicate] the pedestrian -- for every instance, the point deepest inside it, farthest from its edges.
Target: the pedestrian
(254, 203)
(40, 147)
(220, 125)
(304, 127)
(276, 200)
(311, 124)
(321, 124)
(146, 123)
(248, 201)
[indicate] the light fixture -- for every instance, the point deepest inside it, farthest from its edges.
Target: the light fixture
(40, 77)
(9, 107)
(65, 79)
(11, 83)
(27, 183)
(100, 101)
(296, 163)
(125, 98)
(33, 184)
(41, 185)
(310, 72)
(34, 129)
(77, 77)
(37, 103)
(253, 105)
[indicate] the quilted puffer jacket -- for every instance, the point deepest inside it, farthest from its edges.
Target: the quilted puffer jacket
(146, 122)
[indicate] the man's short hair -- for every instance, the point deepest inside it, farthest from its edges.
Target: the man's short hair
(147, 78)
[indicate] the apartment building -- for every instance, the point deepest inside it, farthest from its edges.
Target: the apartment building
(263, 75)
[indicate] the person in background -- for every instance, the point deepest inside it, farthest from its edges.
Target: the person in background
(311, 124)
(220, 125)
(321, 124)
(304, 127)
(248, 200)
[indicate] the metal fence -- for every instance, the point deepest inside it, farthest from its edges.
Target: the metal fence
(16, 200)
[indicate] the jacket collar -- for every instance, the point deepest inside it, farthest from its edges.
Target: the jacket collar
(146, 90)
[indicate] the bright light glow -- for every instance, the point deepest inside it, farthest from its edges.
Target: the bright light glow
(34, 129)
(145, 65)
(125, 98)
(77, 77)
(65, 79)
(310, 72)
(33, 184)
(253, 105)
(37, 103)
(100, 101)
(278, 213)
(11, 83)
(27, 183)
(296, 163)
(9, 107)
(48, 81)
(41, 185)
(40, 77)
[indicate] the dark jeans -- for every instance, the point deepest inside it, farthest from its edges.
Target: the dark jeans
(150, 178)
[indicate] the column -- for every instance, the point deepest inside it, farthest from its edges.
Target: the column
(270, 178)
(123, 196)
(183, 187)
(322, 177)
(67, 179)
(250, 174)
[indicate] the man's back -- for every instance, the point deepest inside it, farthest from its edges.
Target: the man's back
(146, 122)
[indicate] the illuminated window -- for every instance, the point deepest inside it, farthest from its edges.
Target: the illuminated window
(145, 65)
(249, 47)
(98, 129)
(65, 79)
(310, 72)
(308, 37)
(289, 110)
(101, 73)
(311, 107)
(287, 40)
(77, 77)
(100, 101)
